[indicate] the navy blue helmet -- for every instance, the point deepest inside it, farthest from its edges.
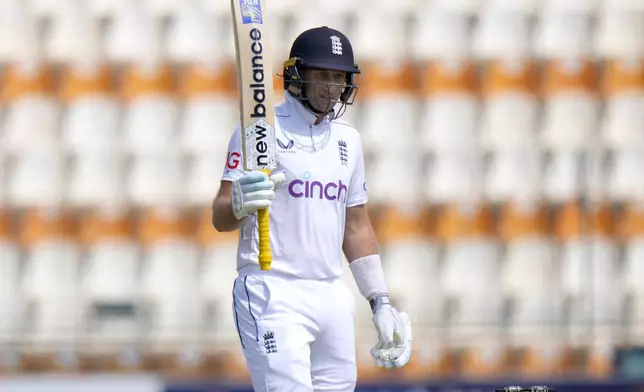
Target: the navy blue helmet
(321, 48)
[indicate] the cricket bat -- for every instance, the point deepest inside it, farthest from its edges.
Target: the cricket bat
(256, 101)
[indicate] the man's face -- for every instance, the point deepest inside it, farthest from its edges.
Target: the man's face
(324, 88)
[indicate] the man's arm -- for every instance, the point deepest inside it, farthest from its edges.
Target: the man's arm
(394, 329)
(359, 237)
(360, 246)
(223, 217)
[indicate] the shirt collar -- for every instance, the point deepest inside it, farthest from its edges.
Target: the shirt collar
(305, 115)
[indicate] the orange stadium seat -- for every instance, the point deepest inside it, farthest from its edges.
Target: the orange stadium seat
(529, 272)
(209, 118)
(151, 111)
(530, 285)
(571, 104)
(410, 259)
(218, 271)
(111, 265)
(31, 110)
(219, 345)
(30, 136)
(150, 136)
(509, 130)
(510, 105)
(449, 94)
(11, 298)
(631, 235)
(211, 110)
(590, 275)
(580, 231)
(623, 91)
(471, 290)
(170, 275)
(172, 294)
(91, 121)
(449, 131)
(110, 291)
(90, 134)
(386, 89)
(51, 287)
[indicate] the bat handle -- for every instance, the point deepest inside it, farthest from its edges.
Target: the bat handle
(265, 254)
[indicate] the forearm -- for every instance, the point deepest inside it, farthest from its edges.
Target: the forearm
(361, 249)
(359, 241)
(223, 218)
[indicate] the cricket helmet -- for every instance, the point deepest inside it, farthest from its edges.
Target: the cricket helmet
(321, 48)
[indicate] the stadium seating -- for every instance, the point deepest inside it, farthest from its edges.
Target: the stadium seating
(504, 151)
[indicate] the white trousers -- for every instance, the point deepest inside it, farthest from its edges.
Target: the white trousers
(297, 335)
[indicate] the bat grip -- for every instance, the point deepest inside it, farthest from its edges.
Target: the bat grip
(265, 254)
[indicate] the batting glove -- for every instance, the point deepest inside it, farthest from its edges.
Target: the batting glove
(393, 349)
(254, 191)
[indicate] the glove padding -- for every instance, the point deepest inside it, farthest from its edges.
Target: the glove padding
(393, 349)
(254, 191)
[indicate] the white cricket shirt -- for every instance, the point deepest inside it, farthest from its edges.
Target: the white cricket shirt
(325, 173)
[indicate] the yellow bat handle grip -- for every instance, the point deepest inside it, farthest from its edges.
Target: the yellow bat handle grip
(265, 255)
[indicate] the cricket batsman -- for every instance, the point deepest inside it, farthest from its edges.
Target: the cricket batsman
(296, 321)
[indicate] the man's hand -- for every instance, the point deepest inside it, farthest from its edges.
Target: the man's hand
(254, 191)
(393, 349)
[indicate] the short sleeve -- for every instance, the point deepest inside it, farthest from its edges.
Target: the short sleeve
(234, 166)
(358, 187)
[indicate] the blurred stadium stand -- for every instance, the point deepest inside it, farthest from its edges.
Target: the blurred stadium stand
(505, 146)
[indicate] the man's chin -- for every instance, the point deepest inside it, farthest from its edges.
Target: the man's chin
(323, 110)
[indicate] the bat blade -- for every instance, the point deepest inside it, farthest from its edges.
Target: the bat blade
(255, 84)
(256, 103)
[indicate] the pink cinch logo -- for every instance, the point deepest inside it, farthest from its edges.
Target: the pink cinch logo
(317, 190)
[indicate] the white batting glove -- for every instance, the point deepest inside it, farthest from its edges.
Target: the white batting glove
(254, 191)
(393, 349)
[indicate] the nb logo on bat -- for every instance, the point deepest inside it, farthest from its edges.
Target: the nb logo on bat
(260, 142)
(251, 11)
